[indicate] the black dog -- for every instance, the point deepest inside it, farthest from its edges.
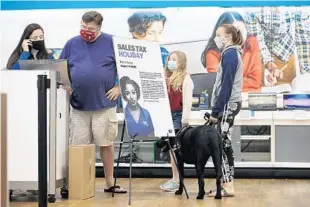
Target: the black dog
(195, 145)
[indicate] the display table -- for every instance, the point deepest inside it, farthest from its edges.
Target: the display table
(289, 131)
(287, 141)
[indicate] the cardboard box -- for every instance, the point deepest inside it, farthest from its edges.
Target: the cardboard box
(81, 171)
(3, 151)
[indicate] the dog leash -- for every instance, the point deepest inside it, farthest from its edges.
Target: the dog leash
(224, 124)
(207, 118)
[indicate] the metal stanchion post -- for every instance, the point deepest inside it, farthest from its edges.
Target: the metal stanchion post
(42, 84)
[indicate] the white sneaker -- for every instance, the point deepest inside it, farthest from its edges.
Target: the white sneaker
(19, 193)
(170, 186)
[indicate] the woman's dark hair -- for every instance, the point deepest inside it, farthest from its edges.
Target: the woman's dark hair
(235, 34)
(126, 80)
(42, 54)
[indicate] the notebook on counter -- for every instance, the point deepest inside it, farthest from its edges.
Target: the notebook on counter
(283, 88)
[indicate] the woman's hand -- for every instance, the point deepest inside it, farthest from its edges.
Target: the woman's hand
(25, 45)
(114, 93)
(213, 120)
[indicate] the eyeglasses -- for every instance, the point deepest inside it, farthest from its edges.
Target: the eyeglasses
(91, 29)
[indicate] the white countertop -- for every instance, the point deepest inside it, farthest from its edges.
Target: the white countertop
(246, 117)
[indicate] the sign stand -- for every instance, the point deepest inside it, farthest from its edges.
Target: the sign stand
(130, 166)
(119, 155)
(177, 165)
(132, 140)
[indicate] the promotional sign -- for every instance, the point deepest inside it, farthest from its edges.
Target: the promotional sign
(143, 88)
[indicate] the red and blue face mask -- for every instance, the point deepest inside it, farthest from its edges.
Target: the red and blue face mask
(87, 36)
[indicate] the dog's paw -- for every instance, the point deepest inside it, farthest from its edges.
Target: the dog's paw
(200, 197)
(178, 192)
(218, 196)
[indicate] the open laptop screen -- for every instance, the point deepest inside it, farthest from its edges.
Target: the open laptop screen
(61, 66)
(296, 101)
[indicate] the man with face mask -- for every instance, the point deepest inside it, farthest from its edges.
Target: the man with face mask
(92, 66)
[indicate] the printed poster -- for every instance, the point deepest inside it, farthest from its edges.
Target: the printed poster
(143, 88)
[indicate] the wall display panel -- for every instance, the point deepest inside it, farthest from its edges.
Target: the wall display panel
(277, 39)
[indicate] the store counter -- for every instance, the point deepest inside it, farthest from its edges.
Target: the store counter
(283, 144)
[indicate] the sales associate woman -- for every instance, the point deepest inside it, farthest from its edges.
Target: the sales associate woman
(31, 46)
(138, 119)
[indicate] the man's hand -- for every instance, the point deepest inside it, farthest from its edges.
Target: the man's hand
(271, 66)
(114, 93)
(67, 88)
(213, 120)
(278, 73)
(271, 78)
(274, 73)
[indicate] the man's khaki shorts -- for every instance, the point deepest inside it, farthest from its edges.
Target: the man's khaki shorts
(98, 127)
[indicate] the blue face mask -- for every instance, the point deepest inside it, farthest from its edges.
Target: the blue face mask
(172, 65)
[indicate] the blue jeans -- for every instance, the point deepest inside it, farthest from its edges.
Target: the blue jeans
(176, 118)
(177, 124)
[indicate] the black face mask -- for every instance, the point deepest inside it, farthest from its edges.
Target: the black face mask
(38, 45)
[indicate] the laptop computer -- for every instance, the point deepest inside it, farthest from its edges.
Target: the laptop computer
(61, 66)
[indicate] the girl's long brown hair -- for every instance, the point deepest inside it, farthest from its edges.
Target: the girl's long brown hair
(235, 33)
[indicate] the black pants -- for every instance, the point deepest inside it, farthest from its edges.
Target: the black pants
(224, 126)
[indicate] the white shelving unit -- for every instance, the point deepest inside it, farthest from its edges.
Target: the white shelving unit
(246, 118)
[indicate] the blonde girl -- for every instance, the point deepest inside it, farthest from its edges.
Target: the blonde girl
(180, 91)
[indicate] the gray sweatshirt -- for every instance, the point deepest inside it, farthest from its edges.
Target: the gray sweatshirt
(229, 78)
